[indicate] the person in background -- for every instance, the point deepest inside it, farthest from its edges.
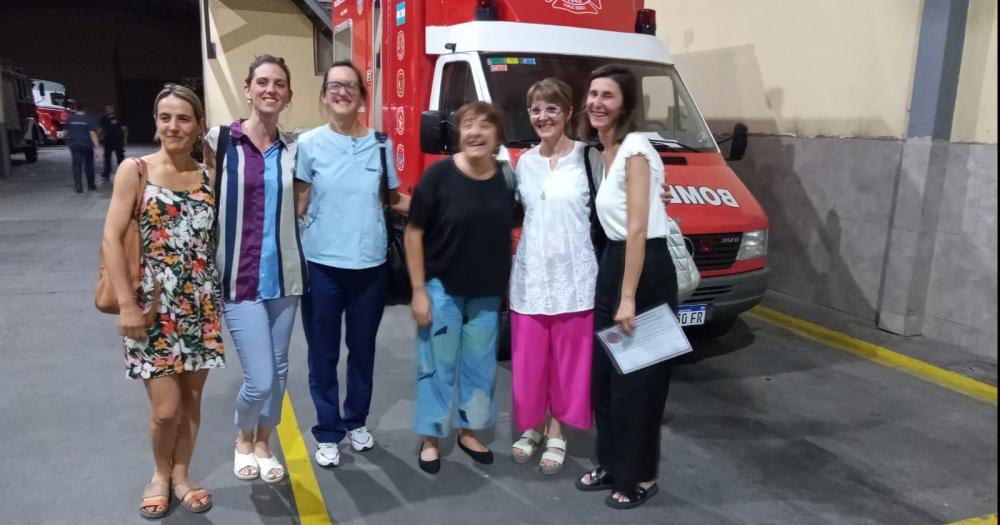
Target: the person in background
(339, 172)
(81, 136)
(552, 283)
(635, 273)
(173, 349)
(262, 268)
(458, 253)
(113, 138)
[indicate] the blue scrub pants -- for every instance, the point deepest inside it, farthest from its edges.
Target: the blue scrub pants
(357, 297)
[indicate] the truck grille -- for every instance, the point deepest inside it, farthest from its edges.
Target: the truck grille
(708, 294)
(714, 251)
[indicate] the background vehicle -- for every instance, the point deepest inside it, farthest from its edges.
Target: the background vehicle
(21, 131)
(426, 59)
(53, 108)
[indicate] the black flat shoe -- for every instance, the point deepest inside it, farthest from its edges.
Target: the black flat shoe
(486, 458)
(640, 496)
(600, 479)
(430, 467)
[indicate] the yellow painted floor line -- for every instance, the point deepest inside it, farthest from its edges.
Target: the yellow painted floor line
(928, 372)
(305, 488)
(990, 519)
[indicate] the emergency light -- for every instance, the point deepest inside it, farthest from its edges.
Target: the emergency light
(486, 10)
(645, 22)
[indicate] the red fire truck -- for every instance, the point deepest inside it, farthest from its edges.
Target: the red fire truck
(426, 58)
(19, 128)
(53, 108)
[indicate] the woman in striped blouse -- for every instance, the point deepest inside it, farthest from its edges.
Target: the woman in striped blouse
(259, 257)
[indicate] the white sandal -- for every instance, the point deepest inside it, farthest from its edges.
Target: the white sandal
(556, 459)
(266, 465)
(528, 444)
(242, 461)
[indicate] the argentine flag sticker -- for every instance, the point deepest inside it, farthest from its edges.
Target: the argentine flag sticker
(400, 13)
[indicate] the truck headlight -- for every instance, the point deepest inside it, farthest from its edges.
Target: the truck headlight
(754, 244)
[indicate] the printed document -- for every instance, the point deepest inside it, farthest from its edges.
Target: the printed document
(658, 336)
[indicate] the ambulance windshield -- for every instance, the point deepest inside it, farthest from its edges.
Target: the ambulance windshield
(666, 108)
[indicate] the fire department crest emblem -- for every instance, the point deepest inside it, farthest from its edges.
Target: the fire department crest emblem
(577, 7)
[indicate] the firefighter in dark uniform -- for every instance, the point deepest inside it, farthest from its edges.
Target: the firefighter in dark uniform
(82, 139)
(113, 138)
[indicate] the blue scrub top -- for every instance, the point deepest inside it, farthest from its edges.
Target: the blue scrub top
(345, 224)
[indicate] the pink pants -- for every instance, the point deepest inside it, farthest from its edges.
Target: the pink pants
(550, 357)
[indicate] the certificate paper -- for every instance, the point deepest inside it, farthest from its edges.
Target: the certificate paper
(657, 337)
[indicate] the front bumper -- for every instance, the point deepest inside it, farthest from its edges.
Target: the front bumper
(729, 295)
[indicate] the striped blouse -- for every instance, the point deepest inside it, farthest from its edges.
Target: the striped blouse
(259, 254)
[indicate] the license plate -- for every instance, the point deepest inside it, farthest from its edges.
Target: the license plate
(692, 314)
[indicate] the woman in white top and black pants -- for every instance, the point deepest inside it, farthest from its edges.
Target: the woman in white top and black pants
(635, 273)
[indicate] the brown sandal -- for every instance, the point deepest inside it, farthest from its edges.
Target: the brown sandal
(156, 494)
(189, 491)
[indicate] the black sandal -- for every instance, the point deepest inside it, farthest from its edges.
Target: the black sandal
(600, 479)
(639, 497)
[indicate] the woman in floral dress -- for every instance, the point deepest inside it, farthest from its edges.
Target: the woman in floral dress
(173, 351)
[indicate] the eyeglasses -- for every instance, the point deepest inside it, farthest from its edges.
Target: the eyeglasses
(548, 111)
(335, 86)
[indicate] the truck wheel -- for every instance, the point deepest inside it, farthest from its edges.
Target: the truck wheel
(31, 154)
(503, 338)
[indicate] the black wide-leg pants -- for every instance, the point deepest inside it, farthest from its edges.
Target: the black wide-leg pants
(628, 409)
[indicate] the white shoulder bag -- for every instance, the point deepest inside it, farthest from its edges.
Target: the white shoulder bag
(688, 277)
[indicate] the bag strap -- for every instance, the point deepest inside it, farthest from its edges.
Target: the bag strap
(221, 146)
(384, 184)
(143, 178)
(590, 175)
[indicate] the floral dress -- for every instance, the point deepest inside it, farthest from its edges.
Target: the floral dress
(176, 228)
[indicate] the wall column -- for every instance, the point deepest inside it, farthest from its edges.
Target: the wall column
(920, 178)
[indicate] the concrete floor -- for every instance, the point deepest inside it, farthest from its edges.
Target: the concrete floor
(762, 427)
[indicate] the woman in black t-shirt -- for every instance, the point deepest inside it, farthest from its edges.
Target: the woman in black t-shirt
(458, 253)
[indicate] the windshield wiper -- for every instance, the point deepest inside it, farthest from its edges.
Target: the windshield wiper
(673, 144)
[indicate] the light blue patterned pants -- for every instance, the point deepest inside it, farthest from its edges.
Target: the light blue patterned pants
(459, 348)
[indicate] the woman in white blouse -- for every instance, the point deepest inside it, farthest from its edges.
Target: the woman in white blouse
(552, 283)
(635, 273)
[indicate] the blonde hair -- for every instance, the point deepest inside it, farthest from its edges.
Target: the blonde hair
(183, 93)
(553, 90)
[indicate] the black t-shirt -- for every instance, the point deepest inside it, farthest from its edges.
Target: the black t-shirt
(111, 126)
(467, 225)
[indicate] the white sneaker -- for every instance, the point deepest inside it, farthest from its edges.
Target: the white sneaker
(361, 439)
(328, 455)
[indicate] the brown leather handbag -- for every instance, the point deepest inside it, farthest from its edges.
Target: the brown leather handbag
(104, 297)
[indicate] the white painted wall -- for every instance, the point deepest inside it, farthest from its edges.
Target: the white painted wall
(244, 29)
(800, 67)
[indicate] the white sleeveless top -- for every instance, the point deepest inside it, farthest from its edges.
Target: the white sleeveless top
(611, 195)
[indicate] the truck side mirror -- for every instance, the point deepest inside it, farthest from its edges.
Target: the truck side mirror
(739, 146)
(41, 88)
(434, 135)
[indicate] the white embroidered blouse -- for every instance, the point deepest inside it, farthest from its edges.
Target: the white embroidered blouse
(555, 269)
